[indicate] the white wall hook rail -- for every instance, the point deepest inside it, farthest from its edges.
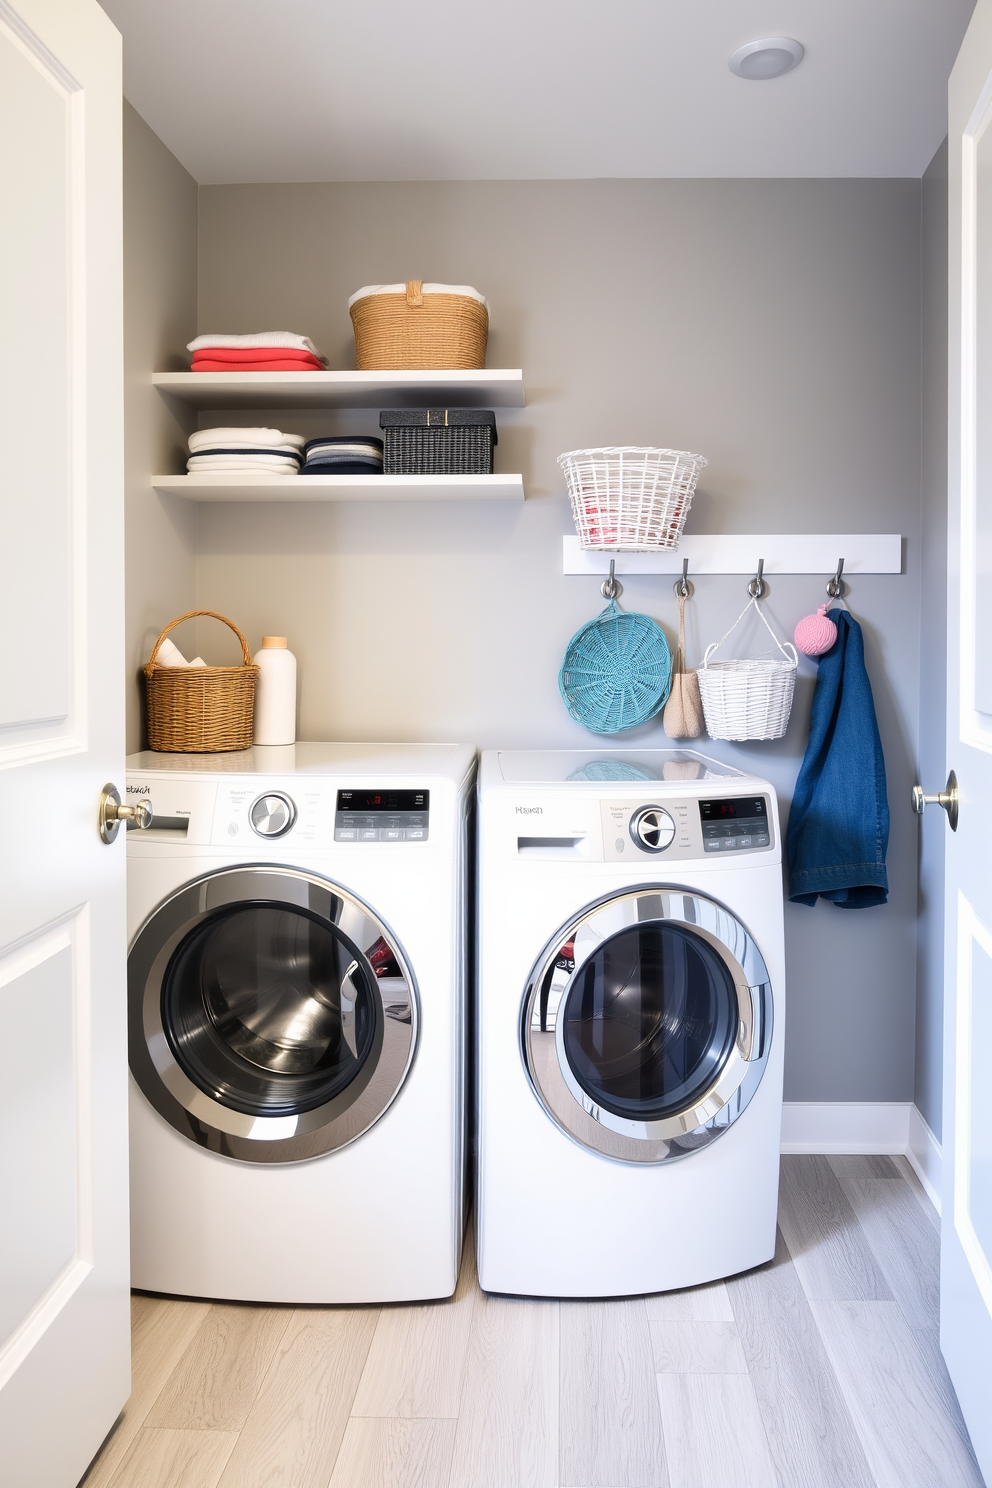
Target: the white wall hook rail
(739, 553)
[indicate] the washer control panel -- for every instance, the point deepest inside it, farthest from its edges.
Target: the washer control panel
(652, 829)
(683, 829)
(272, 814)
(382, 816)
(735, 824)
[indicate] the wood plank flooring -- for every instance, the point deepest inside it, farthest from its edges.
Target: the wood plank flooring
(819, 1370)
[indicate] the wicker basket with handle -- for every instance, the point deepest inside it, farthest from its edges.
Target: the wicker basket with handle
(200, 710)
(419, 328)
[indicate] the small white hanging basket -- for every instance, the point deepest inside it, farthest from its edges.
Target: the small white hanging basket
(628, 498)
(748, 699)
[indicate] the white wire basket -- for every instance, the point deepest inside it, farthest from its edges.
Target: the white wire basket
(748, 698)
(630, 499)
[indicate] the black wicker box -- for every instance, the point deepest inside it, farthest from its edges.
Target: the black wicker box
(438, 441)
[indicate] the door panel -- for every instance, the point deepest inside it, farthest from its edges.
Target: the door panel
(966, 1231)
(64, 1301)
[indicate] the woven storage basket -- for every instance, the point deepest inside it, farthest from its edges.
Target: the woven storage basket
(438, 441)
(616, 672)
(419, 327)
(630, 499)
(200, 710)
(748, 699)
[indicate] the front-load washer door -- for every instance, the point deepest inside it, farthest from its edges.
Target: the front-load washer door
(272, 1015)
(646, 1024)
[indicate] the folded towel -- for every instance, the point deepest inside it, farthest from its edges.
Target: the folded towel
(244, 438)
(291, 457)
(244, 361)
(259, 338)
(347, 443)
(340, 467)
(204, 464)
(839, 822)
(280, 366)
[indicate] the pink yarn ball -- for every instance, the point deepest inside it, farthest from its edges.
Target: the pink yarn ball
(815, 634)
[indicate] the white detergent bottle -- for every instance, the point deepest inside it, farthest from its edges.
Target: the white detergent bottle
(275, 693)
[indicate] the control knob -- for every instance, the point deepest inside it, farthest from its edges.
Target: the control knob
(652, 829)
(273, 814)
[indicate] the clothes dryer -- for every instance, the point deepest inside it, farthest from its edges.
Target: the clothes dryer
(630, 1021)
(296, 986)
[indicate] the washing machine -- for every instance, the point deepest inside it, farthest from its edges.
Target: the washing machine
(296, 991)
(631, 990)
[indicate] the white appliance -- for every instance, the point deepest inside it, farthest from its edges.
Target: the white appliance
(630, 1021)
(296, 986)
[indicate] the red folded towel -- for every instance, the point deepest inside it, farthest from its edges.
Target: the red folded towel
(209, 366)
(254, 359)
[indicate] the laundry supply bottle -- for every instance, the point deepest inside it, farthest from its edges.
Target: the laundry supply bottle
(275, 693)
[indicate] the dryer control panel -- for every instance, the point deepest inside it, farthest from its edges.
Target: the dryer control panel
(680, 829)
(382, 816)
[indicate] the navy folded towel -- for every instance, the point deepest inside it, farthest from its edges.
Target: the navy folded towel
(839, 823)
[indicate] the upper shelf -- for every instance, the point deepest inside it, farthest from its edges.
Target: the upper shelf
(500, 388)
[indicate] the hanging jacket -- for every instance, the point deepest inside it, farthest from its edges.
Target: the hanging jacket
(839, 823)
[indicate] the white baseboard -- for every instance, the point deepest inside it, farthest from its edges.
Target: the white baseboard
(925, 1156)
(846, 1126)
(893, 1127)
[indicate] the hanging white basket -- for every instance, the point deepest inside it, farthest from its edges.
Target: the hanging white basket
(630, 499)
(752, 698)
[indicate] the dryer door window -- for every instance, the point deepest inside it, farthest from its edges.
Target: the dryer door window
(646, 1024)
(269, 1009)
(272, 1015)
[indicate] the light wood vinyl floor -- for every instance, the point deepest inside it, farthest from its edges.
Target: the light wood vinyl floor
(821, 1370)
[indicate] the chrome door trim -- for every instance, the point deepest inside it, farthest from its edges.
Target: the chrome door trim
(205, 1121)
(543, 1051)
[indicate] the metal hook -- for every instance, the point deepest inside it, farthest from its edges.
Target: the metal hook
(757, 587)
(682, 586)
(836, 587)
(612, 586)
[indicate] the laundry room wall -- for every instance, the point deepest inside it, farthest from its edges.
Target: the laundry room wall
(933, 645)
(160, 216)
(772, 325)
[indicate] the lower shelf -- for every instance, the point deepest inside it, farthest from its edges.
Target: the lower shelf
(343, 487)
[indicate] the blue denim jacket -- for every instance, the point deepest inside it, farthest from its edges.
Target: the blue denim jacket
(839, 824)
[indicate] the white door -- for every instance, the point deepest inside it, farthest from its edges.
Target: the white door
(966, 1227)
(64, 1350)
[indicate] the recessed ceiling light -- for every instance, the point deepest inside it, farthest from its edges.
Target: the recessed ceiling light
(767, 58)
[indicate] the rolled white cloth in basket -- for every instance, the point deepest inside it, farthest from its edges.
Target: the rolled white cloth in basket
(448, 289)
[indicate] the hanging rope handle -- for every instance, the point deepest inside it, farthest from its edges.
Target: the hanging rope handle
(679, 663)
(190, 615)
(787, 649)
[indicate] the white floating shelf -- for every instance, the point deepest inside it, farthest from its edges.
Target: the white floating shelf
(227, 487)
(738, 553)
(500, 388)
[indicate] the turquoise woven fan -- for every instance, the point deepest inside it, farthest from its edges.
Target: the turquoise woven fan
(617, 671)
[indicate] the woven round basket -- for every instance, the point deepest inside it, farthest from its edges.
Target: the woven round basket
(630, 499)
(748, 698)
(417, 331)
(616, 672)
(200, 710)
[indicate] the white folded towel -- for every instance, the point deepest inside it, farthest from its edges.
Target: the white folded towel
(263, 463)
(259, 338)
(169, 654)
(243, 439)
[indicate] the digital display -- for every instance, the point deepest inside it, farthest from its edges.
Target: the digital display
(743, 807)
(384, 800)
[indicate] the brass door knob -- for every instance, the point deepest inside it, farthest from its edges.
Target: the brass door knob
(112, 813)
(948, 798)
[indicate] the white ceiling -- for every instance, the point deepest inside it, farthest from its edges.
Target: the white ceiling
(334, 90)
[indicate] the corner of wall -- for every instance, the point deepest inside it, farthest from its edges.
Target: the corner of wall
(160, 279)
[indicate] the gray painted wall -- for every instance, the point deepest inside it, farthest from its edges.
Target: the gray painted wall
(933, 642)
(774, 326)
(160, 213)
